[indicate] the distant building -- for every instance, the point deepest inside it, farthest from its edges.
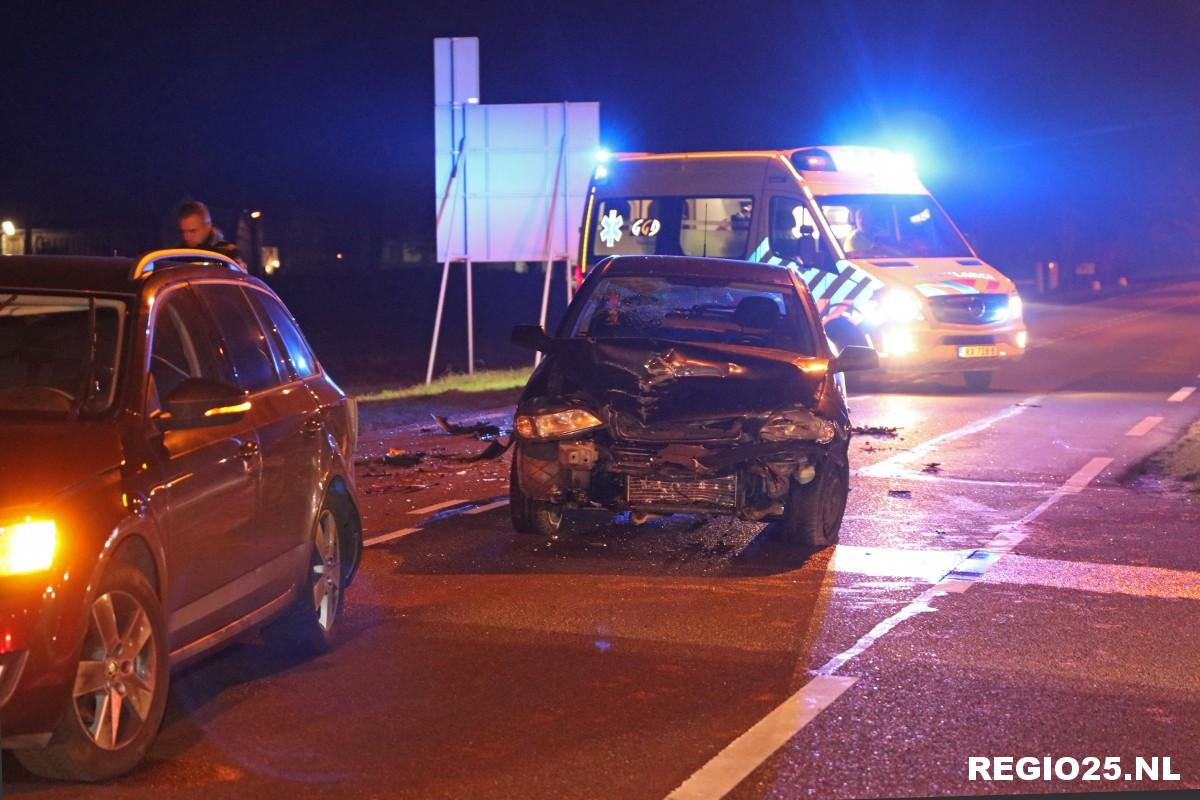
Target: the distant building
(57, 241)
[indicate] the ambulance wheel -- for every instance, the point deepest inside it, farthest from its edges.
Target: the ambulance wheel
(978, 381)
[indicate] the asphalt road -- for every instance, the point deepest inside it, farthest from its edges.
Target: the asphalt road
(1036, 593)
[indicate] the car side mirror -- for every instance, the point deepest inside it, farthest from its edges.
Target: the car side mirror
(532, 337)
(202, 403)
(854, 358)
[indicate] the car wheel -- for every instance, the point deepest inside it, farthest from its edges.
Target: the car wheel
(120, 690)
(310, 627)
(812, 516)
(532, 517)
(978, 381)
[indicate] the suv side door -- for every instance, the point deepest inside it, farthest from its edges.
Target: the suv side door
(206, 478)
(286, 420)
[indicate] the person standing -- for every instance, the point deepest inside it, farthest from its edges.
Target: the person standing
(197, 232)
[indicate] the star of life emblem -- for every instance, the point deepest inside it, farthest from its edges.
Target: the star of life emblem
(610, 228)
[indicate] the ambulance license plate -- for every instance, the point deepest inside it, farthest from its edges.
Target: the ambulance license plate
(979, 351)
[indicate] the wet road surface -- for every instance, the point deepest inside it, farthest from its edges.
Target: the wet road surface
(1035, 592)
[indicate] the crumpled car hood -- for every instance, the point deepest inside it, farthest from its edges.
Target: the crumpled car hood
(661, 381)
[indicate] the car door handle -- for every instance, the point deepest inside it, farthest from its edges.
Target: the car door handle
(313, 425)
(248, 450)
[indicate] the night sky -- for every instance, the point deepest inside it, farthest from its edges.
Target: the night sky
(1020, 114)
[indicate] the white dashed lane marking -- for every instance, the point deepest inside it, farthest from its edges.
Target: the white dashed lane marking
(1144, 427)
(487, 507)
(436, 507)
(389, 537)
(1181, 395)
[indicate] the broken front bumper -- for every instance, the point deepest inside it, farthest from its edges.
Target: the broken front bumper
(744, 479)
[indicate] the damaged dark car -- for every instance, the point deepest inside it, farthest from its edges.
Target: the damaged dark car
(686, 385)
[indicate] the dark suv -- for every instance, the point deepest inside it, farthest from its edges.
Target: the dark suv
(177, 470)
(694, 385)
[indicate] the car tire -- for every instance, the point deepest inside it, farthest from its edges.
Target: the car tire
(85, 746)
(311, 625)
(531, 517)
(812, 515)
(979, 381)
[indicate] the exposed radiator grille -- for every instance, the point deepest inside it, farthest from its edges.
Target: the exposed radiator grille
(970, 309)
(706, 493)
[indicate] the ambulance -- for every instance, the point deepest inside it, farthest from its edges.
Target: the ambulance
(885, 264)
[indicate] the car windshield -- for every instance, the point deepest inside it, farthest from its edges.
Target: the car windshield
(695, 310)
(892, 226)
(58, 353)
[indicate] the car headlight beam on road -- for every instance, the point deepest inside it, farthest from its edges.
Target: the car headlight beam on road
(27, 547)
(556, 423)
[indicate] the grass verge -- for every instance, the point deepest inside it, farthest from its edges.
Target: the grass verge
(1182, 460)
(491, 380)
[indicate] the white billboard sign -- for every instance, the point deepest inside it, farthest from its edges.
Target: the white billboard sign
(518, 163)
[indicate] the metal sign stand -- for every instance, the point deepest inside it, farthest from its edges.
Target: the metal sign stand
(562, 149)
(451, 259)
(503, 197)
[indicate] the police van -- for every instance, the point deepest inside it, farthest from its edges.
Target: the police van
(882, 259)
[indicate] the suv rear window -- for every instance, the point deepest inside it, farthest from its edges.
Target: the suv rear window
(245, 340)
(298, 355)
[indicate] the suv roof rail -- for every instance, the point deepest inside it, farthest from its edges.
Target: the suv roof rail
(147, 263)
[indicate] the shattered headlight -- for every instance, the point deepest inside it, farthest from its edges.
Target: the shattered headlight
(556, 423)
(798, 425)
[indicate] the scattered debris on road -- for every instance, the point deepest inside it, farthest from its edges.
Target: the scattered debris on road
(489, 453)
(480, 430)
(874, 430)
(397, 457)
(899, 493)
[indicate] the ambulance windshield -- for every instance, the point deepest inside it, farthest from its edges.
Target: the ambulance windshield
(892, 226)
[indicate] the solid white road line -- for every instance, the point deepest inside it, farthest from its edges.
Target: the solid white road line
(1144, 427)
(1181, 395)
(744, 754)
(1156, 582)
(890, 467)
(892, 562)
(436, 507)
(726, 769)
(388, 537)
(909, 475)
